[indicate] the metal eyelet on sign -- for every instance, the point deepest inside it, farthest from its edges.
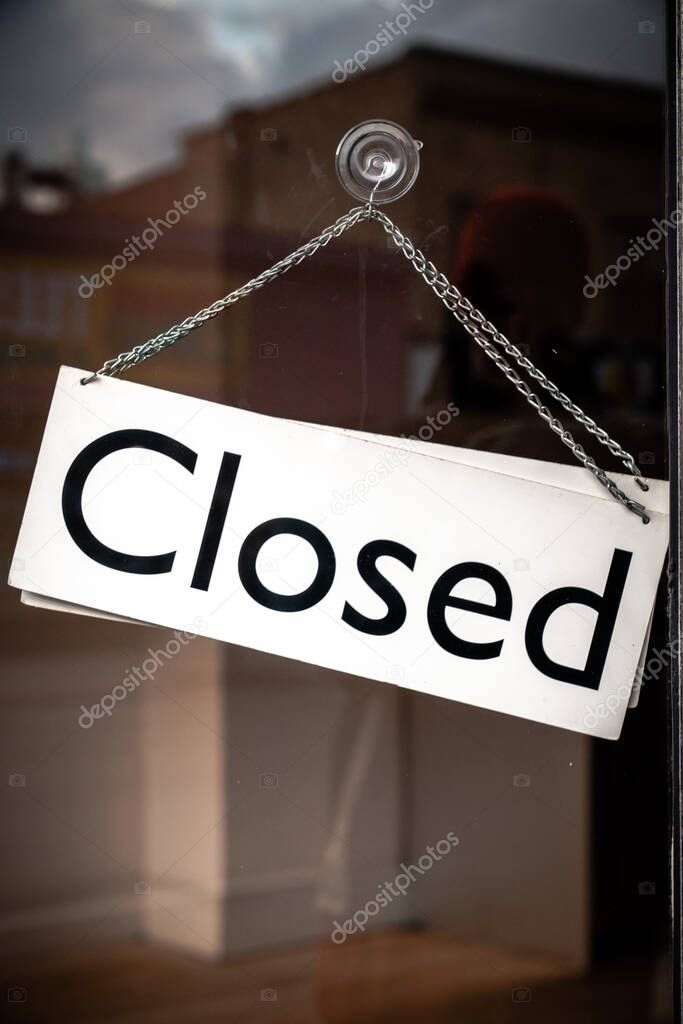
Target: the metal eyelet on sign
(377, 161)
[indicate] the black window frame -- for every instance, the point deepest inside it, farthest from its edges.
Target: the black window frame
(674, 193)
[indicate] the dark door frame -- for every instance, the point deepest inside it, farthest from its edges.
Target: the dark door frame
(675, 389)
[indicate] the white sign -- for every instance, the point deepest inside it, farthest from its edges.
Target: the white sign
(505, 583)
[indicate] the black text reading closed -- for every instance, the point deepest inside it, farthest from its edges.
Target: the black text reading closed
(443, 594)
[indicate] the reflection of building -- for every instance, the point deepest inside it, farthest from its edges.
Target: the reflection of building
(594, 144)
(269, 181)
(343, 338)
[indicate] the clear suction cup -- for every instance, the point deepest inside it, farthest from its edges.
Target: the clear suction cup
(377, 161)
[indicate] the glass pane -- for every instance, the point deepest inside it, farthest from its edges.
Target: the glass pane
(241, 837)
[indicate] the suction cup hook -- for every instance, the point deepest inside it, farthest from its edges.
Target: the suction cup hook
(378, 161)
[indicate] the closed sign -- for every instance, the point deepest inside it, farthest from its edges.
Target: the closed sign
(526, 592)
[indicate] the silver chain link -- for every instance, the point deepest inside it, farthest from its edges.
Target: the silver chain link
(125, 360)
(484, 333)
(487, 336)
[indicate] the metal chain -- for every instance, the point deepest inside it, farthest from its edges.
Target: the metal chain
(125, 360)
(484, 333)
(478, 327)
